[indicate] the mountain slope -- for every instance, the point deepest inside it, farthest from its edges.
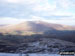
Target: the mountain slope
(34, 26)
(32, 44)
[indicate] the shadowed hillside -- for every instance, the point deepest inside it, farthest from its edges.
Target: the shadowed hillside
(36, 43)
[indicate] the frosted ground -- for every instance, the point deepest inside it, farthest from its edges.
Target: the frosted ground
(4, 54)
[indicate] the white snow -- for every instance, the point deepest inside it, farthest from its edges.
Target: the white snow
(7, 54)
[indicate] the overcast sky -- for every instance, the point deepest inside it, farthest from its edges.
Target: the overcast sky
(53, 11)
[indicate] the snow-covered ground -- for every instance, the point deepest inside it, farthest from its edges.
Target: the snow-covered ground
(8, 54)
(4, 54)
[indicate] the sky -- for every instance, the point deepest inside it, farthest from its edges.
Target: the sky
(53, 11)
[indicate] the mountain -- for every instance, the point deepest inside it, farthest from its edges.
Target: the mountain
(34, 27)
(36, 37)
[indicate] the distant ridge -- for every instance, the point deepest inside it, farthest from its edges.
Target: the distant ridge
(34, 26)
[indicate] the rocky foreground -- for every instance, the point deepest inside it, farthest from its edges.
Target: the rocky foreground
(37, 45)
(46, 45)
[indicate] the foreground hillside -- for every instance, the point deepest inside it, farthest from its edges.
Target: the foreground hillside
(33, 44)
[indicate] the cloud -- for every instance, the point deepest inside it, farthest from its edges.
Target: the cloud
(9, 20)
(44, 6)
(68, 21)
(65, 3)
(57, 7)
(37, 9)
(63, 22)
(21, 1)
(37, 18)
